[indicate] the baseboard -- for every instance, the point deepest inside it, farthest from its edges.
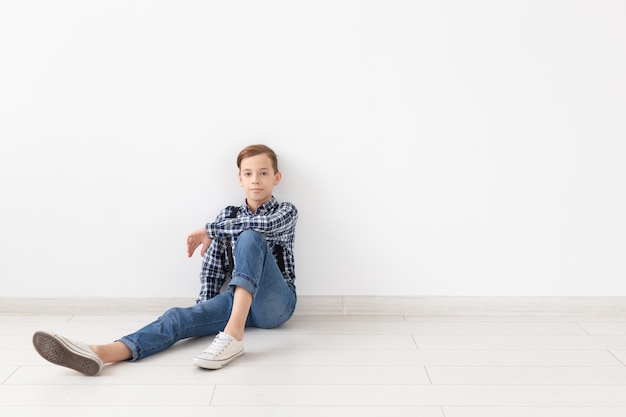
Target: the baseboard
(460, 306)
(341, 305)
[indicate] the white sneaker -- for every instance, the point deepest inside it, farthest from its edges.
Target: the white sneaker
(65, 352)
(222, 351)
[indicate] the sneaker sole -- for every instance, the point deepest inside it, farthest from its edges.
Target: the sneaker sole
(202, 363)
(55, 350)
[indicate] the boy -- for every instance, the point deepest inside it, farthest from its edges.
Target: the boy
(261, 292)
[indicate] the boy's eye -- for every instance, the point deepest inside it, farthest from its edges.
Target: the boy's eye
(248, 174)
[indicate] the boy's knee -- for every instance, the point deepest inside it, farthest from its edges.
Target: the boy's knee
(249, 235)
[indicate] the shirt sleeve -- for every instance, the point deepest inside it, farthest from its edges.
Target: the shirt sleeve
(270, 225)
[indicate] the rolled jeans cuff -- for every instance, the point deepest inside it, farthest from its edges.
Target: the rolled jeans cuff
(245, 282)
(132, 346)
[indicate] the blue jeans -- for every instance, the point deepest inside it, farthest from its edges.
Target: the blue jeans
(273, 302)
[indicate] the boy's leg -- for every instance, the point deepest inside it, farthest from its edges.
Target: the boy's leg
(228, 345)
(273, 301)
(112, 352)
(261, 298)
(177, 323)
(257, 296)
(242, 300)
(202, 319)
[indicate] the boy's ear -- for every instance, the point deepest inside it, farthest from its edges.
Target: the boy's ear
(277, 177)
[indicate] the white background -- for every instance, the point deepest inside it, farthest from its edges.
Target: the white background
(431, 147)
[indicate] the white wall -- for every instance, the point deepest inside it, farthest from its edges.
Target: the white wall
(432, 147)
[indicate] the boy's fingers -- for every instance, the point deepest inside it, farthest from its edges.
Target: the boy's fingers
(191, 246)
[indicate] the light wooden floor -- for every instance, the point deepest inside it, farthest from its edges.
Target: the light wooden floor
(389, 365)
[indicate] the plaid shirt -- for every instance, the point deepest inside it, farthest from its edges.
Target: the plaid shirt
(275, 221)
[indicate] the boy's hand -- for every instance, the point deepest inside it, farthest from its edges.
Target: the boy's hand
(195, 239)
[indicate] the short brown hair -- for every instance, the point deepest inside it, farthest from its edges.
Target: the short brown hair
(254, 150)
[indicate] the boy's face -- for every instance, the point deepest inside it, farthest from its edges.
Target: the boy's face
(257, 177)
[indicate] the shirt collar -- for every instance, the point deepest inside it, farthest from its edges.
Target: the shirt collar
(263, 208)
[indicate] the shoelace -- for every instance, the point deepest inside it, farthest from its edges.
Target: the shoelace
(219, 344)
(81, 345)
